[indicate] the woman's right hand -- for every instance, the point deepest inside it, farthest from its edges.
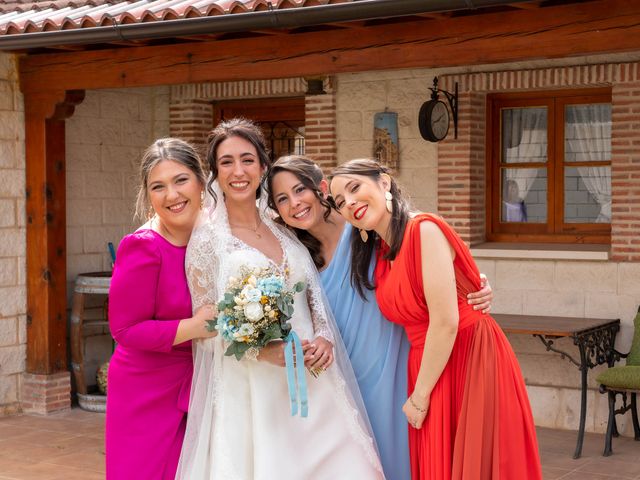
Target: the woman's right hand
(196, 326)
(273, 352)
(199, 321)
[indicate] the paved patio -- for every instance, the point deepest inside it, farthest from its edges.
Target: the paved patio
(70, 446)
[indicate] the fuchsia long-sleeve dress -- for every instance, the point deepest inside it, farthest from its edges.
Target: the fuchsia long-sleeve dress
(149, 379)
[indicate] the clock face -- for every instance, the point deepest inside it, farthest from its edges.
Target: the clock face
(433, 120)
(439, 120)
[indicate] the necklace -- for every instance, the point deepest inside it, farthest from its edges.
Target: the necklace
(254, 230)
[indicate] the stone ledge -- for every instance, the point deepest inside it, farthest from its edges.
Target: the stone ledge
(532, 251)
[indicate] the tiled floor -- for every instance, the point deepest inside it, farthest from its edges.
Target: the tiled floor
(69, 446)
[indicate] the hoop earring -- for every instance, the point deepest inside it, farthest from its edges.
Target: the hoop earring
(389, 204)
(364, 235)
(150, 213)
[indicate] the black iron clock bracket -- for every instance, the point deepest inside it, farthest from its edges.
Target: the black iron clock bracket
(452, 98)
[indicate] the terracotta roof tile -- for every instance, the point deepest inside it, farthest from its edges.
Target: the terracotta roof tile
(23, 16)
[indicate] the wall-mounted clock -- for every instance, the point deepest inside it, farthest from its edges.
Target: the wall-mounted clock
(433, 120)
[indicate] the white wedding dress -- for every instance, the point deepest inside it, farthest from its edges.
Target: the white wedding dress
(240, 425)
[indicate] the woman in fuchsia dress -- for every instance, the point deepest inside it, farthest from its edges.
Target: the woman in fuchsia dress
(151, 319)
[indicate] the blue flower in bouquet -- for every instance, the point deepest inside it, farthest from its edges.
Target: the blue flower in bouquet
(271, 286)
(227, 328)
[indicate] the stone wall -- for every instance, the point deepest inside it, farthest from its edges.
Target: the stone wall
(359, 96)
(572, 288)
(449, 178)
(12, 237)
(105, 139)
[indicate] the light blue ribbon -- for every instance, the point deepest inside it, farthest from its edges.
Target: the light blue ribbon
(297, 386)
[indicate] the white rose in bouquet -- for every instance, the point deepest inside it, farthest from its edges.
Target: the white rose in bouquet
(253, 311)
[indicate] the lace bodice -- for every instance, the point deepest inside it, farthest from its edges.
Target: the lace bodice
(214, 255)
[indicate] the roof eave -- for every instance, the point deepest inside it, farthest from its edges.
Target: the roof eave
(272, 19)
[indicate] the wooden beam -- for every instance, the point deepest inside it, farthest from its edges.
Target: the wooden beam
(46, 229)
(602, 26)
(526, 6)
(435, 15)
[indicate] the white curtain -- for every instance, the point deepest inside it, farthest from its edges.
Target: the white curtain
(524, 140)
(588, 138)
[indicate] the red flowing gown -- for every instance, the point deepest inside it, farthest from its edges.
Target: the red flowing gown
(479, 425)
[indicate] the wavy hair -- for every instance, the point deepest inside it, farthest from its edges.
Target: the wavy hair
(362, 252)
(310, 175)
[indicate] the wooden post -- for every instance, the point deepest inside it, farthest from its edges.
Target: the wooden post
(45, 115)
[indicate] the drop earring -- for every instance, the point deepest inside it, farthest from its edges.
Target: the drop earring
(364, 236)
(201, 199)
(388, 197)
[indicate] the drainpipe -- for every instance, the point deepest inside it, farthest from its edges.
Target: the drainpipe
(357, 10)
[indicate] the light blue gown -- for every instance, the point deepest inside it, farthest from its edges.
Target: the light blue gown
(378, 350)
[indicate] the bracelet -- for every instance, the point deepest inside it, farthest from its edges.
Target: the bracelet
(413, 404)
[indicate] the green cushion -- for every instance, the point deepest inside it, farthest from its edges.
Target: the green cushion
(634, 353)
(624, 377)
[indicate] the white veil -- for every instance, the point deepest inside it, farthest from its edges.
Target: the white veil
(207, 275)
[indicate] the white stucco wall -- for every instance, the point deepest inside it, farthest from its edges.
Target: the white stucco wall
(600, 289)
(12, 236)
(105, 139)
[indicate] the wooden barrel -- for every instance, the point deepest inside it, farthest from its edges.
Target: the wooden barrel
(95, 283)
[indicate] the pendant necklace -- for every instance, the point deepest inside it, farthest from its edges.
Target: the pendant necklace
(254, 230)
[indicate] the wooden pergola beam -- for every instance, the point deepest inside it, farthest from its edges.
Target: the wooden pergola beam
(595, 27)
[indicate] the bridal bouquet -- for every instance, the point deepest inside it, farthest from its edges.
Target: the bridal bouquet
(255, 309)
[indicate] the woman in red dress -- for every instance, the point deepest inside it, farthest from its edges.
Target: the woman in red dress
(467, 403)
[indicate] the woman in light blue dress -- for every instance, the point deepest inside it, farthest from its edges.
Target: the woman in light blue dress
(377, 348)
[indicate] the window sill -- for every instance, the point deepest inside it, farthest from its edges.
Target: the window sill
(547, 251)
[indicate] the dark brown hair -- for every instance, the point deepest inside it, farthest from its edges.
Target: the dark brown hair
(361, 252)
(236, 127)
(310, 175)
(165, 149)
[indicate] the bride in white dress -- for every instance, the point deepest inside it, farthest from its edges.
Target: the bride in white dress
(240, 425)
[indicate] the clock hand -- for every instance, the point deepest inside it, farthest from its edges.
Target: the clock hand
(438, 119)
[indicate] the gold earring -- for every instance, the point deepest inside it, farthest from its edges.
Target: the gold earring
(202, 199)
(364, 236)
(151, 213)
(388, 197)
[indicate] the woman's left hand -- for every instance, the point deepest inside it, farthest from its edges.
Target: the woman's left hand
(481, 300)
(416, 410)
(319, 355)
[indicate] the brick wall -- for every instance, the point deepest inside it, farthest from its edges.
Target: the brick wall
(43, 394)
(625, 165)
(320, 127)
(461, 170)
(12, 237)
(191, 119)
(191, 111)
